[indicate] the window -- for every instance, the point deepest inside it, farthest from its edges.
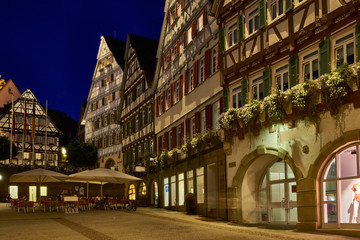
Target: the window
(232, 35)
(214, 60)
(43, 191)
(215, 115)
(160, 104)
(148, 114)
(166, 192)
(38, 156)
(169, 145)
(173, 190)
(340, 187)
(181, 189)
(176, 91)
(191, 79)
(253, 24)
(26, 155)
(310, 67)
(142, 190)
(203, 122)
(200, 184)
(168, 98)
(192, 127)
(151, 147)
(202, 70)
(277, 8)
(257, 88)
(189, 35)
(131, 192)
(139, 90)
(236, 97)
(344, 50)
(282, 78)
(190, 181)
(178, 135)
(200, 22)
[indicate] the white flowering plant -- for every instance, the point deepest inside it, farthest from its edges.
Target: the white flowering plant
(226, 119)
(273, 104)
(248, 113)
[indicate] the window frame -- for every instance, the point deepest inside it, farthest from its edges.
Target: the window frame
(257, 82)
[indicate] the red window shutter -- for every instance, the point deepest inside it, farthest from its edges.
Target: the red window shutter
(182, 2)
(204, 17)
(159, 144)
(186, 82)
(185, 38)
(157, 106)
(208, 114)
(166, 138)
(181, 87)
(172, 94)
(221, 105)
(207, 63)
(178, 47)
(197, 122)
(176, 9)
(163, 101)
(193, 29)
(182, 134)
(187, 122)
(173, 137)
(195, 77)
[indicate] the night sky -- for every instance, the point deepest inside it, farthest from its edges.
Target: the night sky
(50, 46)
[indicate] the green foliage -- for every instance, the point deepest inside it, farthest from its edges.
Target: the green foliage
(5, 148)
(82, 154)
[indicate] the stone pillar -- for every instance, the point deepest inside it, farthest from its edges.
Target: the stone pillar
(307, 204)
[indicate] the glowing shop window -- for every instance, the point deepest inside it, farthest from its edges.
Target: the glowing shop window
(43, 191)
(132, 193)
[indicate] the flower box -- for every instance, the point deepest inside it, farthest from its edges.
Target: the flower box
(352, 83)
(288, 107)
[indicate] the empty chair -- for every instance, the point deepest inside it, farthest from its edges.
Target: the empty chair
(30, 205)
(21, 204)
(47, 204)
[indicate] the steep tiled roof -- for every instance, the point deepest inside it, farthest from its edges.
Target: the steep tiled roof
(145, 49)
(117, 47)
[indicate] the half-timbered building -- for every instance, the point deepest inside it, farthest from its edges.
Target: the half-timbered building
(137, 114)
(100, 118)
(294, 165)
(33, 133)
(188, 98)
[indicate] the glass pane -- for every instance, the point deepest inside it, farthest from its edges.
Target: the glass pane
(349, 194)
(293, 215)
(254, 92)
(306, 71)
(286, 81)
(339, 56)
(256, 22)
(273, 16)
(315, 69)
(239, 100)
(278, 214)
(181, 192)
(330, 191)
(292, 192)
(261, 92)
(347, 163)
(263, 184)
(289, 172)
(263, 198)
(277, 192)
(281, 7)
(278, 82)
(350, 53)
(251, 26)
(234, 100)
(277, 171)
(331, 171)
(330, 215)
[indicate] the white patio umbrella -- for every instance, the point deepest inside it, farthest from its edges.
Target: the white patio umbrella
(103, 176)
(38, 176)
(72, 178)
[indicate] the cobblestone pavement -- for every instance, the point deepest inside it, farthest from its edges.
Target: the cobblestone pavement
(145, 223)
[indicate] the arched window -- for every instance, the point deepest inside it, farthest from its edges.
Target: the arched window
(278, 195)
(132, 193)
(142, 190)
(340, 185)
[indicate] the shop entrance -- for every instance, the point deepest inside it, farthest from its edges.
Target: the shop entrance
(278, 202)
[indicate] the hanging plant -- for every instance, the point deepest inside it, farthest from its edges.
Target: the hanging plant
(273, 104)
(226, 120)
(249, 113)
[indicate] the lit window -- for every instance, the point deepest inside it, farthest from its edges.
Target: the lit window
(142, 190)
(173, 190)
(282, 78)
(257, 89)
(232, 35)
(43, 191)
(200, 22)
(310, 67)
(181, 188)
(189, 35)
(190, 181)
(200, 184)
(344, 50)
(166, 192)
(131, 192)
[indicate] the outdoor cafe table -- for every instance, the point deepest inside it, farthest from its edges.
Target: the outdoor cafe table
(71, 204)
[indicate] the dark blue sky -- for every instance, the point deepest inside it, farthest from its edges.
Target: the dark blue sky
(50, 46)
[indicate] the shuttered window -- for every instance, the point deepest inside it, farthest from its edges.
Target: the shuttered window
(324, 49)
(208, 112)
(244, 91)
(262, 13)
(289, 4)
(241, 27)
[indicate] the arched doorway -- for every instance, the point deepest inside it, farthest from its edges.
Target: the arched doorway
(340, 188)
(277, 195)
(110, 163)
(142, 190)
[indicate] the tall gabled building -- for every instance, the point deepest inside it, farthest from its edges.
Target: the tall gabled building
(188, 102)
(137, 112)
(100, 118)
(34, 134)
(298, 163)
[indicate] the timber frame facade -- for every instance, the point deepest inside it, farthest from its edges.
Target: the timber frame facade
(31, 129)
(137, 113)
(188, 101)
(100, 117)
(279, 173)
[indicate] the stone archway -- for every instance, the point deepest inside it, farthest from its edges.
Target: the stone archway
(110, 163)
(247, 179)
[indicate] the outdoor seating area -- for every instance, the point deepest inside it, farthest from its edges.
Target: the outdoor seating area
(70, 204)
